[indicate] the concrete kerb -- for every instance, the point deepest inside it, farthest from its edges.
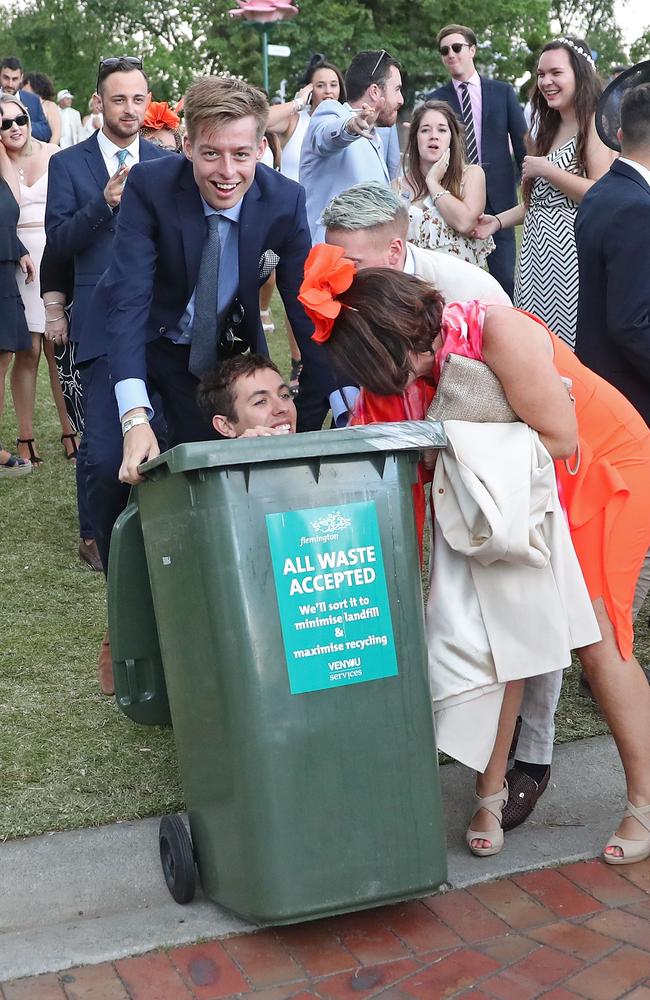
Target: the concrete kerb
(96, 895)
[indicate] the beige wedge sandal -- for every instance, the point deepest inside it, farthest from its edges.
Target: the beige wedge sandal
(494, 804)
(633, 850)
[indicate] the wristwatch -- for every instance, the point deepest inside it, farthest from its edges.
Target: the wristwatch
(139, 418)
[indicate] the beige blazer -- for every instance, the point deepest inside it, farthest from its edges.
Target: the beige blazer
(456, 280)
(508, 599)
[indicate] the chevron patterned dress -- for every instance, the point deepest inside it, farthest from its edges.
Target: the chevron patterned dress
(546, 282)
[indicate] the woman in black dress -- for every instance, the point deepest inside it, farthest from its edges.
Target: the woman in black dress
(14, 335)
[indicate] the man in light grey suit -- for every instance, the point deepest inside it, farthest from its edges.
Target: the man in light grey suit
(342, 146)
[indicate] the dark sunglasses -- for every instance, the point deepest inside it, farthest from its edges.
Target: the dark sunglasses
(113, 61)
(378, 63)
(455, 47)
(18, 120)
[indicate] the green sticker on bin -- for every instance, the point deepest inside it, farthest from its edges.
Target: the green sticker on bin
(332, 597)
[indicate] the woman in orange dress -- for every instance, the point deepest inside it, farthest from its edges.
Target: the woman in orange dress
(390, 331)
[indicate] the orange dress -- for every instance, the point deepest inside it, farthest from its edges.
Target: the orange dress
(607, 500)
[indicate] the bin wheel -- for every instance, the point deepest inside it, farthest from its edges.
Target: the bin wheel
(177, 858)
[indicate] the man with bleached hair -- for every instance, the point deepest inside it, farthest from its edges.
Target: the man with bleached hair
(370, 223)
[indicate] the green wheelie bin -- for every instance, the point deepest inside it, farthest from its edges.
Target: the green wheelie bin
(140, 689)
(286, 587)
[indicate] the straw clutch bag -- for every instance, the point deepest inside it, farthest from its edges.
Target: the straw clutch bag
(469, 390)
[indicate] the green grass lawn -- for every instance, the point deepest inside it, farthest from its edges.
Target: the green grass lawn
(68, 757)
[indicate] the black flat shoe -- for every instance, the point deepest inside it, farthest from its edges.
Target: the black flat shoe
(523, 793)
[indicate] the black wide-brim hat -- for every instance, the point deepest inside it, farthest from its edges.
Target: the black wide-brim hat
(608, 111)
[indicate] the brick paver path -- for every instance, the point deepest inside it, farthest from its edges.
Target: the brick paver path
(582, 930)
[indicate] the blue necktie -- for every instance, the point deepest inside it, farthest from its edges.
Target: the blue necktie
(121, 157)
(203, 351)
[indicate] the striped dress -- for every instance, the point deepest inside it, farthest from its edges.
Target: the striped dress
(546, 282)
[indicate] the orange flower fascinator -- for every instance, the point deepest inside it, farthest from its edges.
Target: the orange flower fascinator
(160, 115)
(327, 274)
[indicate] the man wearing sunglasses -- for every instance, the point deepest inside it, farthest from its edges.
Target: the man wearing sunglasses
(342, 146)
(85, 188)
(493, 120)
(11, 78)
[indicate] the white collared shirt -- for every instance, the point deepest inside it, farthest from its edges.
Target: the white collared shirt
(109, 152)
(645, 173)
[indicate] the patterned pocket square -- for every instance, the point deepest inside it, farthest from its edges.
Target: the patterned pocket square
(268, 263)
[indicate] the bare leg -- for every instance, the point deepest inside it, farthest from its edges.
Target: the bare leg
(293, 343)
(23, 389)
(492, 779)
(266, 292)
(622, 691)
(57, 393)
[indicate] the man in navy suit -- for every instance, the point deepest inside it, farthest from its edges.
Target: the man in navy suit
(11, 77)
(85, 187)
(164, 258)
(493, 121)
(613, 240)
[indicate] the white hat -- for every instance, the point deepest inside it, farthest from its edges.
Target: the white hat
(61, 94)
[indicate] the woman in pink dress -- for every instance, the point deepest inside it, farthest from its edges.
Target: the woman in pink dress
(29, 158)
(390, 331)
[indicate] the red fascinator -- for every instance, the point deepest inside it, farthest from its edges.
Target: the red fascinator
(327, 274)
(160, 115)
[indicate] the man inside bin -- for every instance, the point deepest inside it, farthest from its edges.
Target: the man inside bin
(247, 397)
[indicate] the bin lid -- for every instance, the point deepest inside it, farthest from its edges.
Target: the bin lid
(407, 435)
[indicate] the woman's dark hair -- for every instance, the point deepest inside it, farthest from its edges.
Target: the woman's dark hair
(545, 121)
(41, 85)
(386, 315)
(457, 156)
(319, 61)
(276, 149)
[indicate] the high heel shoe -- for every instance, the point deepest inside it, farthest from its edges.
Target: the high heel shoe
(70, 455)
(33, 457)
(494, 804)
(633, 850)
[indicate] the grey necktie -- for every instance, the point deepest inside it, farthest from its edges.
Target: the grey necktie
(468, 118)
(203, 351)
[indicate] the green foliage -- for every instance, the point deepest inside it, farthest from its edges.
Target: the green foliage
(641, 48)
(57, 37)
(595, 21)
(66, 38)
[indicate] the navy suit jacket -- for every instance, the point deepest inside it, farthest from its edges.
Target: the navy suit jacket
(501, 119)
(157, 253)
(613, 240)
(80, 228)
(40, 125)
